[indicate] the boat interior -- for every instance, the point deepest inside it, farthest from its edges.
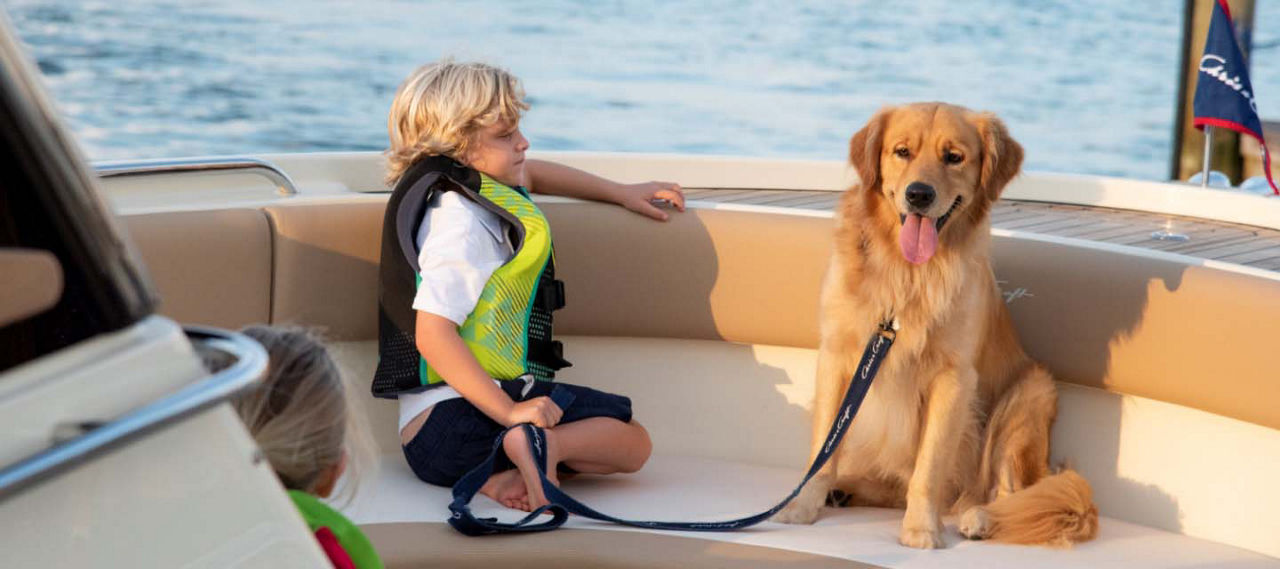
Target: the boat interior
(1165, 361)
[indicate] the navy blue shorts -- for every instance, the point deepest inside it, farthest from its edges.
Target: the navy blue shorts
(457, 436)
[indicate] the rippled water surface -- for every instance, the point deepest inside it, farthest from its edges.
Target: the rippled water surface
(1087, 86)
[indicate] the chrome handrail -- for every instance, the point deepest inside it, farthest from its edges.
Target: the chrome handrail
(284, 185)
(251, 362)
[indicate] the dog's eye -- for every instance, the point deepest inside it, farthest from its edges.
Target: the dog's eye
(953, 157)
(902, 152)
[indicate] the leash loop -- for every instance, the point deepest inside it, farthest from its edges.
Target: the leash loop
(562, 504)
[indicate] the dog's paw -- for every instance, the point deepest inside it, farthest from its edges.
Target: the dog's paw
(921, 528)
(975, 523)
(920, 538)
(798, 512)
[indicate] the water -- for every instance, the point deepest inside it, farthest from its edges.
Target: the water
(1087, 86)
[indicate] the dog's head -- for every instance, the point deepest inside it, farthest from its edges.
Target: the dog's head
(933, 170)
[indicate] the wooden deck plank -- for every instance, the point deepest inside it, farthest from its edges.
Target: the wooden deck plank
(1241, 248)
(715, 195)
(1015, 214)
(1141, 238)
(819, 202)
(1198, 237)
(1125, 230)
(1100, 227)
(1272, 264)
(752, 198)
(1210, 247)
(1257, 255)
(1031, 221)
(1062, 224)
(788, 197)
(1252, 246)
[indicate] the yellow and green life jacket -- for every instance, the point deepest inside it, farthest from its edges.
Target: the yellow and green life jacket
(509, 331)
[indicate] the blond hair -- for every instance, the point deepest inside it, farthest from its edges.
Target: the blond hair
(300, 414)
(439, 108)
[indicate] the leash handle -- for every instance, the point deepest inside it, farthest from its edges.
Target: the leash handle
(563, 504)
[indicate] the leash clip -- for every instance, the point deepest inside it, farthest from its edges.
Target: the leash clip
(889, 327)
(528, 380)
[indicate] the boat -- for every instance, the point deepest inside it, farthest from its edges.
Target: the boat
(119, 448)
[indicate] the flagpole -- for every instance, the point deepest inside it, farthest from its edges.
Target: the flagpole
(1208, 156)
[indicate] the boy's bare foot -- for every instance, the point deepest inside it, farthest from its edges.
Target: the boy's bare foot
(507, 488)
(516, 445)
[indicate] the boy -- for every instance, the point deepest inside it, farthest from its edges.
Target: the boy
(467, 287)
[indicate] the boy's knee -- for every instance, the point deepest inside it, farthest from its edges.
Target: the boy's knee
(643, 448)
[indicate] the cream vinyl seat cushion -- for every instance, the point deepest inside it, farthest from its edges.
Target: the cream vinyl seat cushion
(747, 406)
(687, 488)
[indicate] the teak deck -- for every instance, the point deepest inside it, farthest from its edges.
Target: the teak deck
(1219, 241)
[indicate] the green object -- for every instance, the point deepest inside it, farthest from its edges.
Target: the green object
(497, 331)
(317, 515)
(509, 330)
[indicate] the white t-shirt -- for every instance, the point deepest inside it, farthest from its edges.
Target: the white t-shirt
(460, 244)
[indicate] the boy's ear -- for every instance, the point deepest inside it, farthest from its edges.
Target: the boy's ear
(864, 149)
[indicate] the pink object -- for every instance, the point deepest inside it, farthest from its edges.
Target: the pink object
(918, 239)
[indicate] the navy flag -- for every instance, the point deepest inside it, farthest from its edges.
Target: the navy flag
(1224, 96)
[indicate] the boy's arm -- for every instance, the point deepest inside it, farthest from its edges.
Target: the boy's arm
(439, 343)
(560, 180)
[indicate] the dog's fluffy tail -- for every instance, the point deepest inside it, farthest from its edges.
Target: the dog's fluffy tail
(1056, 511)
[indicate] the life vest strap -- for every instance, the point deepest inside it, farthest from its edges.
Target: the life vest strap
(549, 353)
(551, 296)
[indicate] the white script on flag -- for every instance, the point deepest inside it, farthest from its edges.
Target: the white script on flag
(1219, 72)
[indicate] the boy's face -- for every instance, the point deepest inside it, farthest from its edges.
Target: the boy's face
(499, 152)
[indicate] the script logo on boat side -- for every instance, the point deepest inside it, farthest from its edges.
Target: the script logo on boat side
(1013, 294)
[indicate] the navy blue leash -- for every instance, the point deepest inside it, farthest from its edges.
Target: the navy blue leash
(561, 504)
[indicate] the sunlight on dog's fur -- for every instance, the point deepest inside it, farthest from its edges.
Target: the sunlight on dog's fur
(958, 419)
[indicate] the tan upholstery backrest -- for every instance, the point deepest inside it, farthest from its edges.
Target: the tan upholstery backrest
(210, 267)
(326, 270)
(626, 275)
(705, 274)
(1159, 328)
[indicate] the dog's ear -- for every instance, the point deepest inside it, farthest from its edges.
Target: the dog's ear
(1001, 155)
(864, 149)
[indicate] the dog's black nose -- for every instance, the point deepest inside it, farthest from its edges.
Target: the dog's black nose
(920, 195)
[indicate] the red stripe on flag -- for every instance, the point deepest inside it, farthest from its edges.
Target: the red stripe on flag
(1201, 122)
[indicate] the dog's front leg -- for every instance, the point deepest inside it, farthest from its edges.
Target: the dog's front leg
(948, 412)
(831, 383)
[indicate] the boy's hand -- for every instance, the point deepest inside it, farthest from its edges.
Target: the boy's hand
(636, 197)
(540, 411)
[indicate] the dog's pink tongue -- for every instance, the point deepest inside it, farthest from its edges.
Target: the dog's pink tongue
(918, 239)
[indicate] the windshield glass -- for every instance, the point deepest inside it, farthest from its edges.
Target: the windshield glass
(1087, 86)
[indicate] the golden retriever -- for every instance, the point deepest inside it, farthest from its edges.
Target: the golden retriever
(958, 419)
